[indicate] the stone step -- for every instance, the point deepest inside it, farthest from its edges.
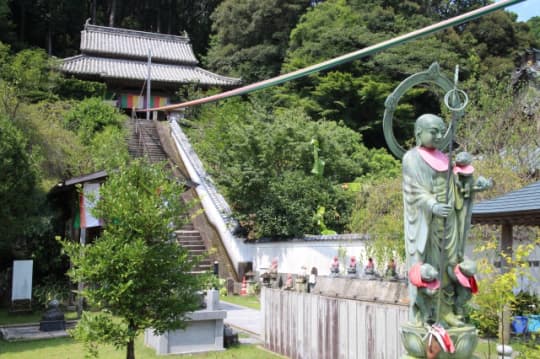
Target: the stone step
(193, 248)
(187, 232)
(190, 240)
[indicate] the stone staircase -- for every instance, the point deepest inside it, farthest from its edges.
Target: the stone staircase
(144, 140)
(192, 241)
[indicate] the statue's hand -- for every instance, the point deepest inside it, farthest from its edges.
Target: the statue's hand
(483, 184)
(441, 209)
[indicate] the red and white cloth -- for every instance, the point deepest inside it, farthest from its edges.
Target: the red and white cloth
(442, 337)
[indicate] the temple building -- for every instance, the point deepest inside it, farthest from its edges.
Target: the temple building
(124, 59)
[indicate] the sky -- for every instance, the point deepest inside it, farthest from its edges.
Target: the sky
(526, 9)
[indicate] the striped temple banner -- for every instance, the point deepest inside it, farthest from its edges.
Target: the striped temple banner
(139, 102)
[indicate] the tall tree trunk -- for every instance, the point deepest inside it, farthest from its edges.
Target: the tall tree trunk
(22, 25)
(112, 13)
(132, 329)
(94, 12)
(172, 17)
(158, 16)
(130, 354)
(49, 41)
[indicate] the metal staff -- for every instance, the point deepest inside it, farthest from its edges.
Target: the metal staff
(452, 100)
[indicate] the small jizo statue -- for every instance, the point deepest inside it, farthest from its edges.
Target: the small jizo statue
(391, 269)
(351, 269)
(334, 266)
(289, 282)
(424, 277)
(274, 268)
(370, 267)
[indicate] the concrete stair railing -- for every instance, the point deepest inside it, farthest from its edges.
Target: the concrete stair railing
(216, 208)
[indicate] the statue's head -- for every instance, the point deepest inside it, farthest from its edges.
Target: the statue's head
(463, 159)
(429, 130)
(468, 267)
(428, 273)
(424, 275)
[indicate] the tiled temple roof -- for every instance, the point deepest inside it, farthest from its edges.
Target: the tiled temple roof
(114, 53)
(520, 207)
(138, 70)
(125, 43)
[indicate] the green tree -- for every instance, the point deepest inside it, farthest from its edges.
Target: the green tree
(355, 92)
(135, 274)
(17, 190)
(378, 212)
(91, 116)
(263, 159)
(534, 26)
(250, 36)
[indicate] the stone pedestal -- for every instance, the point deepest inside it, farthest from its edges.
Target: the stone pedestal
(204, 332)
(212, 299)
(465, 340)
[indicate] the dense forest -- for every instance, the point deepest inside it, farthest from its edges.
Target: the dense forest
(261, 148)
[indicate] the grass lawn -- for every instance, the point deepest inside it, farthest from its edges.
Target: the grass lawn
(34, 317)
(247, 301)
(67, 348)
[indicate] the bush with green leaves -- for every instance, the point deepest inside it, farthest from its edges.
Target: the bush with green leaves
(262, 159)
(134, 274)
(91, 116)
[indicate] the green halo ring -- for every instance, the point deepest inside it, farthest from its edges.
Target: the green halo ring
(431, 75)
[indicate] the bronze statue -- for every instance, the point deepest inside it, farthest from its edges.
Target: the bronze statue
(438, 191)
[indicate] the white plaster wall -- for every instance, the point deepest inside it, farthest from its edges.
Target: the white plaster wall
(295, 254)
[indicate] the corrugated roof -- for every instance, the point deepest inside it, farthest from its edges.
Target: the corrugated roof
(138, 70)
(116, 42)
(524, 199)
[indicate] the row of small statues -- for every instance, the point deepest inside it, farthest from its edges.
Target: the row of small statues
(369, 268)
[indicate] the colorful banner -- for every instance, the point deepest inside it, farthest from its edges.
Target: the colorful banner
(130, 101)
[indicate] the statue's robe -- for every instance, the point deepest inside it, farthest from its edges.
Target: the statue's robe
(424, 185)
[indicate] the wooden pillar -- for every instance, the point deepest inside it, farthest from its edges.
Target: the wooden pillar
(505, 317)
(80, 285)
(506, 242)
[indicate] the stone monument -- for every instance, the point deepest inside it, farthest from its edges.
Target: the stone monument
(437, 196)
(53, 318)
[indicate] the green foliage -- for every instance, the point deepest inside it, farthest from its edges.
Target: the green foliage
(496, 287)
(48, 290)
(17, 189)
(134, 271)
(91, 116)
(525, 303)
(72, 88)
(263, 161)
(59, 153)
(30, 73)
(534, 28)
(250, 36)
(109, 149)
(355, 92)
(378, 212)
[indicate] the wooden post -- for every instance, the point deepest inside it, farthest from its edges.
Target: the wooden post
(505, 317)
(149, 84)
(506, 243)
(80, 285)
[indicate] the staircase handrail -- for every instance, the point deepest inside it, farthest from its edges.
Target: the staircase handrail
(215, 206)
